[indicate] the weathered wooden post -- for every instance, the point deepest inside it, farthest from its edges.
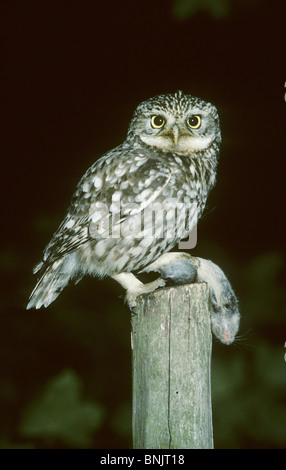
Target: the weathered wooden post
(171, 343)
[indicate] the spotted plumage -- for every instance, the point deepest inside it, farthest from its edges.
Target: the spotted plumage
(138, 200)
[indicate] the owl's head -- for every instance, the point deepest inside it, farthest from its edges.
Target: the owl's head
(176, 123)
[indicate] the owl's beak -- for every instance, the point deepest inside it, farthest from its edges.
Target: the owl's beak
(175, 135)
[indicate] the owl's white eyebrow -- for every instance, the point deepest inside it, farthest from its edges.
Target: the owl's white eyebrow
(155, 113)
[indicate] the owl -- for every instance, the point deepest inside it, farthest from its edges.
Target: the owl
(136, 202)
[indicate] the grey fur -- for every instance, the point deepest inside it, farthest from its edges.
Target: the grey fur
(182, 268)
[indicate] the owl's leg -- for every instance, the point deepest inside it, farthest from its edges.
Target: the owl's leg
(177, 267)
(134, 287)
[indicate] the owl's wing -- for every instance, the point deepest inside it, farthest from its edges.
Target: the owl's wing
(125, 213)
(71, 234)
(114, 190)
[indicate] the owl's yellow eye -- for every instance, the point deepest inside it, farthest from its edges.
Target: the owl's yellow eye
(157, 121)
(194, 122)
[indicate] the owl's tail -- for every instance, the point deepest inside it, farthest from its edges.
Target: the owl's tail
(53, 279)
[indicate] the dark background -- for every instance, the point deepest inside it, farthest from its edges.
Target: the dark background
(72, 75)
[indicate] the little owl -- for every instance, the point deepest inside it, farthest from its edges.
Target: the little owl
(138, 201)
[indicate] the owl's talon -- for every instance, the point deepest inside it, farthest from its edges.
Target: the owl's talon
(131, 295)
(130, 299)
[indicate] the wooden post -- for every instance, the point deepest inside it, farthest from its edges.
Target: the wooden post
(171, 343)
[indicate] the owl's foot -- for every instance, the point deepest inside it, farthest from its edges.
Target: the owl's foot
(131, 295)
(134, 287)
